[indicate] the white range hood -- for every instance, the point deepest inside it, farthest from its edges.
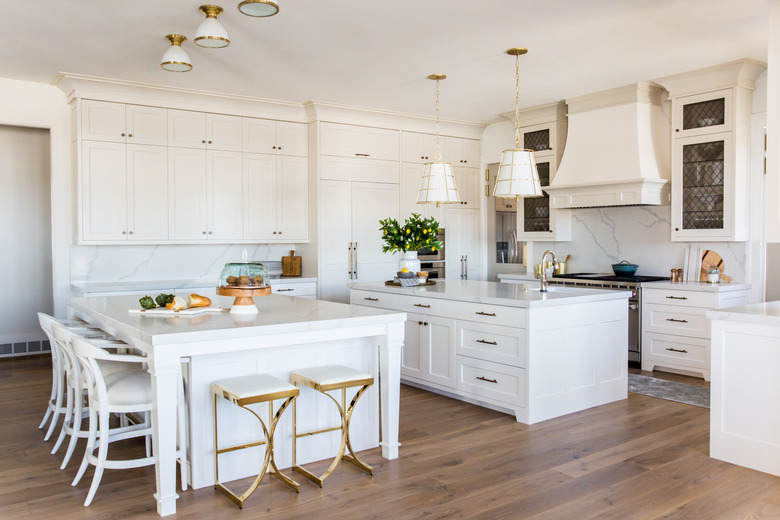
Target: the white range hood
(617, 150)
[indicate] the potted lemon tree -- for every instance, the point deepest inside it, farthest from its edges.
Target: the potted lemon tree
(414, 234)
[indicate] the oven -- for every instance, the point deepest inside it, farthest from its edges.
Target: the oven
(634, 285)
(427, 255)
(434, 269)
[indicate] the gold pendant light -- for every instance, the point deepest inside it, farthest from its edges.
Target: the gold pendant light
(517, 174)
(437, 185)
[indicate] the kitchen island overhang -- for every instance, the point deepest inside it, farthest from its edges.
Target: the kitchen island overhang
(511, 347)
(287, 333)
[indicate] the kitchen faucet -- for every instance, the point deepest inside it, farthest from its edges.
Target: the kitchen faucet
(544, 270)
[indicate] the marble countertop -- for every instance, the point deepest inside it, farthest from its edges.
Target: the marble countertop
(697, 286)
(160, 285)
(507, 294)
(767, 313)
(277, 314)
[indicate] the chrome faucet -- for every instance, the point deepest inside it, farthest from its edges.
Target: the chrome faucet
(544, 269)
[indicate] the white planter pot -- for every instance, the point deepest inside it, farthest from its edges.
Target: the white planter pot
(410, 261)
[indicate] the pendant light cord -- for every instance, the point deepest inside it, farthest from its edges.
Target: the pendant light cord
(438, 153)
(517, 102)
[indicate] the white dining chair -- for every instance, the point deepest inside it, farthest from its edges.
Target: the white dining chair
(55, 408)
(124, 392)
(76, 410)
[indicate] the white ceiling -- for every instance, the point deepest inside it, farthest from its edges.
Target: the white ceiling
(378, 54)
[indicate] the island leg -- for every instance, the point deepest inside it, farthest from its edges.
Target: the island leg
(164, 368)
(390, 349)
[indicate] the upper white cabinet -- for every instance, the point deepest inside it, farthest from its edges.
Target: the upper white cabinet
(120, 123)
(359, 141)
(205, 195)
(275, 137)
(711, 113)
(189, 129)
(468, 181)
(275, 198)
(419, 148)
(543, 130)
(123, 192)
(461, 152)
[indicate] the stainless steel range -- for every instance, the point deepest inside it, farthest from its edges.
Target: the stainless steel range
(606, 281)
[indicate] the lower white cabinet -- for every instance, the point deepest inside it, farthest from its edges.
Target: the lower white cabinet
(675, 329)
(295, 287)
(462, 244)
(491, 381)
(429, 352)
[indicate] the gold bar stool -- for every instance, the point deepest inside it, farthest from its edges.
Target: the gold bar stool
(244, 391)
(324, 379)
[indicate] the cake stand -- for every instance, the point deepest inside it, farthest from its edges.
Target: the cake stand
(244, 302)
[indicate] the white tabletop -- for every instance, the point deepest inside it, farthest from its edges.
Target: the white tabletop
(719, 287)
(767, 313)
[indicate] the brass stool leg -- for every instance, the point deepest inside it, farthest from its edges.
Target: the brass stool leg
(267, 459)
(345, 415)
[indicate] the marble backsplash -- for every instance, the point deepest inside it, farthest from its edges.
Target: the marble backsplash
(639, 234)
(163, 262)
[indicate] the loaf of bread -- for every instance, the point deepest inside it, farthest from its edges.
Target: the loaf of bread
(196, 300)
(178, 303)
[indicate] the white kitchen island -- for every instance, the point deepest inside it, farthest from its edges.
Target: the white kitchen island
(287, 333)
(509, 346)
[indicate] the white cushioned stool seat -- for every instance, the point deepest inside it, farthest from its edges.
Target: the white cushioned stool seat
(261, 387)
(331, 377)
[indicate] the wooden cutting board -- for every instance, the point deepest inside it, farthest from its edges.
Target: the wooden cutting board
(291, 265)
(709, 259)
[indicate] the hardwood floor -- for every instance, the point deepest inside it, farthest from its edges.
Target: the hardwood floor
(634, 459)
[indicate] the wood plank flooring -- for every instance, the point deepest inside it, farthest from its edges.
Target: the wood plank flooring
(640, 458)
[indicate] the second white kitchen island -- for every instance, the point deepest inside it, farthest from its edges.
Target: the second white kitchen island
(511, 347)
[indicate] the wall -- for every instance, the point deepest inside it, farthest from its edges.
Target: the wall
(38, 105)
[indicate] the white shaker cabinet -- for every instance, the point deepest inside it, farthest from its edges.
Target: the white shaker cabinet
(461, 152)
(123, 192)
(363, 142)
(429, 349)
(120, 123)
(350, 242)
(274, 137)
(469, 183)
(462, 247)
(188, 129)
(275, 198)
(205, 195)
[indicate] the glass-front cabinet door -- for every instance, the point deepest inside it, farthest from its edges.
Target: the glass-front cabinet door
(701, 205)
(702, 114)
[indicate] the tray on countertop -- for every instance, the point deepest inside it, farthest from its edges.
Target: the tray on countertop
(190, 311)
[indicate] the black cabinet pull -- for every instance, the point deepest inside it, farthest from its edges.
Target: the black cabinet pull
(683, 351)
(487, 342)
(419, 323)
(676, 321)
(421, 305)
(363, 155)
(486, 379)
(371, 299)
(280, 290)
(676, 297)
(485, 313)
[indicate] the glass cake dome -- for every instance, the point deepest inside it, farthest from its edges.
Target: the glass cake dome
(244, 274)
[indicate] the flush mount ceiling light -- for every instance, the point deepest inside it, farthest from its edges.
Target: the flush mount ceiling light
(517, 175)
(175, 59)
(437, 185)
(210, 33)
(260, 8)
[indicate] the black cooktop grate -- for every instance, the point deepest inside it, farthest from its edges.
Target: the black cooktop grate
(611, 278)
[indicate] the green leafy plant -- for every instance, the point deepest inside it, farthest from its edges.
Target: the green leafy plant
(416, 233)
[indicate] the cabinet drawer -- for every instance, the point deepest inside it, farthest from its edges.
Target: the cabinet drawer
(374, 299)
(677, 350)
(491, 380)
(679, 298)
(491, 314)
(294, 289)
(670, 319)
(491, 343)
(427, 306)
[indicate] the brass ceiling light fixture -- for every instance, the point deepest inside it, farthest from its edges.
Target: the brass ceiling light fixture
(517, 174)
(175, 59)
(210, 33)
(437, 185)
(258, 8)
